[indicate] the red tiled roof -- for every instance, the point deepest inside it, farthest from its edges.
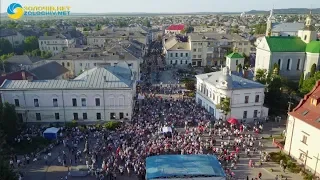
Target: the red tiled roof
(176, 27)
(15, 76)
(308, 112)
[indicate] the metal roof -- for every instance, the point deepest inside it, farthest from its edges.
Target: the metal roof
(287, 27)
(96, 78)
(175, 166)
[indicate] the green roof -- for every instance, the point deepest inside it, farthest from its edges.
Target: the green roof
(313, 47)
(285, 44)
(235, 55)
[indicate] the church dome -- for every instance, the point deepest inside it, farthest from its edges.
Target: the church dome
(313, 47)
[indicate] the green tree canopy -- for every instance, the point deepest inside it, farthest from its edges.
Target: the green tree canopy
(224, 106)
(260, 28)
(309, 83)
(190, 85)
(313, 70)
(261, 76)
(147, 23)
(9, 122)
(5, 47)
(98, 27)
(31, 43)
(301, 80)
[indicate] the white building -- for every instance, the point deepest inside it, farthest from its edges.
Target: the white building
(303, 131)
(174, 29)
(177, 52)
(294, 55)
(98, 94)
(246, 96)
(78, 60)
(55, 44)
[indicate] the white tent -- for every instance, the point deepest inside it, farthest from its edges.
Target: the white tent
(51, 133)
(166, 129)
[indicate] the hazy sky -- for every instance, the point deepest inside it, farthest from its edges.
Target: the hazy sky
(107, 6)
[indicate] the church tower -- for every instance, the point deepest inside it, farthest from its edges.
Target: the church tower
(271, 19)
(308, 33)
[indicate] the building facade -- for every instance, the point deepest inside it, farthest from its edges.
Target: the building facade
(246, 96)
(177, 51)
(174, 29)
(101, 94)
(303, 131)
(209, 49)
(55, 44)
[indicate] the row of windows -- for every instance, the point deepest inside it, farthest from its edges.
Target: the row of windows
(46, 48)
(55, 102)
(181, 62)
(195, 56)
(177, 55)
(289, 64)
(84, 116)
(245, 114)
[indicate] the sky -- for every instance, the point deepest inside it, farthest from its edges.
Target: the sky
(165, 6)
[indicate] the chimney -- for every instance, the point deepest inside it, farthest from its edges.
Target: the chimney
(30, 78)
(23, 75)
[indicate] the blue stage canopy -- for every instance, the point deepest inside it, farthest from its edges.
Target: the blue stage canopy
(166, 166)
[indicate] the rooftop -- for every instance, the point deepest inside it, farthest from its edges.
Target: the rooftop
(16, 76)
(176, 27)
(23, 59)
(288, 27)
(96, 78)
(235, 55)
(233, 81)
(209, 36)
(285, 44)
(313, 47)
(49, 70)
(308, 109)
(175, 166)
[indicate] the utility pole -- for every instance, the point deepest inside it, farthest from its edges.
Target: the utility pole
(317, 160)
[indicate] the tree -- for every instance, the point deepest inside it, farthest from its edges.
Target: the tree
(246, 59)
(275, 69)
(261, 76)
(3, 59)
(147, 23)
(224, 106)
(313, 70)
(9, 122)
(260, 28)
(31, 43)
(5, 47)
(86, 29)
(190, 85)
(309, 83)
(46, 54)
(207, 69)
(45, 34)
(301, 80)
(98, 27)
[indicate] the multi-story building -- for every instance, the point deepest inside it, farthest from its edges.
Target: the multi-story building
(78, 60)
(211, 48)
(246, 96)
(177, 51)
(55, 44)
(293, 55)
(14, 37)
(303, 131)
(98, 94)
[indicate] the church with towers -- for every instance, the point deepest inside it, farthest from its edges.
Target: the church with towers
(293, 49)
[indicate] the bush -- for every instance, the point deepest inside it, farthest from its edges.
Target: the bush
(72, 124)
(112, 125)
(25, 146)
(190, 85)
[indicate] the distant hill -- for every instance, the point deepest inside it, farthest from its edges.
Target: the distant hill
(287, 11)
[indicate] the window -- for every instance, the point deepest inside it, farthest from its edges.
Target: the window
(194, 56)
(186, 54)
(237, 62)
(194, 50)
(180, 61)
(171, 55)
(176, 54)
(68, 64)
(245, 114)
(305, 37)
(75, 116)
(98, 116)
(16, 102)
(246, 99)
(304, 139)
(95, 64)
(171, 62)
(298, 64)
(176, 62)
(62, 64)
(257, 98)
(74, 102)
(289, 65)
(121, 115)
(302, 157)
(57, 116)
(112, 116)
(186, 62)
(199, 56)
(181, 54)
(200, 50)
(255, 113)
(80, 64)
(38, 116)
(97, 101)
(279, 64)
(55, 102)
(84, 116)
(83, 102)
(36, 102)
